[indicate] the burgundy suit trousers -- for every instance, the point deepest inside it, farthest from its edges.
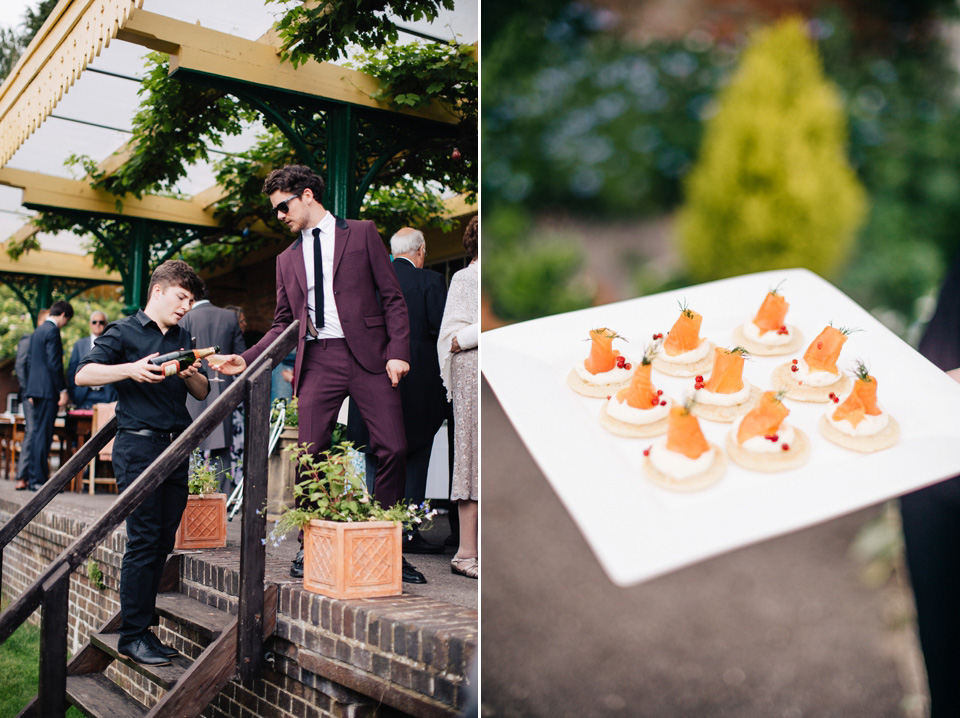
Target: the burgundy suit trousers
(329, 373)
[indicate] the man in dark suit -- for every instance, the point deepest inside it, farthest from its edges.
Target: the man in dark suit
(354, 339)
(422, 395)
(84, 397)
(212, 326)
(46, 389)
(22, 369)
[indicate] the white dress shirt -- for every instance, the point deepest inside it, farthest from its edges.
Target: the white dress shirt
(331, 318)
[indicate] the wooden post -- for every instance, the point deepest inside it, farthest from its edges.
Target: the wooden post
(52, 691)
(254, 524)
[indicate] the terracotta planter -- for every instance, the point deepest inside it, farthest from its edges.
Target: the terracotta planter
(281, 475)
(352, 560)
(204, 522)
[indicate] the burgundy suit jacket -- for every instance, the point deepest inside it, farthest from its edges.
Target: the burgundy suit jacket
(373, 313)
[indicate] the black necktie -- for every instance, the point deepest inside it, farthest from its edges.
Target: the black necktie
(317, 278)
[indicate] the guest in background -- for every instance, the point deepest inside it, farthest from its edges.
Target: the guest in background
(209, 325)
(422, 395)
(931, 530)
(84, 397)
(459, 367)
(46, 389)
(22, 369)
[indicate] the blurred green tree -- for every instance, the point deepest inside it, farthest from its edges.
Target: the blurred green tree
(773, 187)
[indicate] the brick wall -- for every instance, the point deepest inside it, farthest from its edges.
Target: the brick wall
(370, 657)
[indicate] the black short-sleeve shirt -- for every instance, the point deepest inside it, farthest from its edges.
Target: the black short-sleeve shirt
(162, 406)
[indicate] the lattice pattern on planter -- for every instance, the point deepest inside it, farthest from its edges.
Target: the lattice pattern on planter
(204, 522)
(347, 560)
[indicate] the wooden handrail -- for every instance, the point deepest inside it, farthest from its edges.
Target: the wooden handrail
(18, 611)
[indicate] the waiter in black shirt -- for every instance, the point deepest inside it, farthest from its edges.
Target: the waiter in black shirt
(151, 412)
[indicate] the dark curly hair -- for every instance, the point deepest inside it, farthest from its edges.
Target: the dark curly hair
(471, 237)
(294, 179)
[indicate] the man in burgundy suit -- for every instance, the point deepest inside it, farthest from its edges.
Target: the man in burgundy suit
(354, 332)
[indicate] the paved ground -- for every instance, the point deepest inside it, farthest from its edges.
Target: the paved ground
(441, 584)
(783, 629)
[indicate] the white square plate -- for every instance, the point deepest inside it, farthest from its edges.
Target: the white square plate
(638, 530)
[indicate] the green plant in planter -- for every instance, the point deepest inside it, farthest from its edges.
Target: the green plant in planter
(289, 411)
(331, 488)
(203, 477)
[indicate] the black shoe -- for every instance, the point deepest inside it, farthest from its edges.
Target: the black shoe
(160, 647)
(31, 487)
(296, 568)
(415, 543)
(411, 575)
(140, 651)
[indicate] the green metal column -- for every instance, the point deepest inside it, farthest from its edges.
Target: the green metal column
(136, 278)
(44, 295)
(341, 161)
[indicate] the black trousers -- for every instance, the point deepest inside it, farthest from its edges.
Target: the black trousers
(43, 419)
(931, 529)
(151, 531)
(29, 424)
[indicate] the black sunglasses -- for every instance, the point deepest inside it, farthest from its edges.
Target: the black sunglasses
(98, 321)
(283, 206)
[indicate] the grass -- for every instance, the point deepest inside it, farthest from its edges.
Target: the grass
(19, 671)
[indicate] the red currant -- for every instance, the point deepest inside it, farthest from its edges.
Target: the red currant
(659, 392)
(795, 361)
(698, 377)
(819, 345)
(663, 403)
(794, 368)
(654, 401)
(785, 447)
(646, 452)
(628, 366)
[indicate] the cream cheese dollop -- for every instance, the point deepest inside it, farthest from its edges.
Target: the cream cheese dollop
(760, 445)
(814, 378)
(870, 425)
(617, 375)
(694, 355)
(676, 465)
(632, 415)
(768, 338)
(704, 396)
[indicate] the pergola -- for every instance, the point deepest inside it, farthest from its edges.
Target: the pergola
(94, 49)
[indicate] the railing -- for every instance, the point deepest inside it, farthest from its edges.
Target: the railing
(51, 589)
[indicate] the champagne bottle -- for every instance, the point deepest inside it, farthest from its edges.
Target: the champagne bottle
(175, 362)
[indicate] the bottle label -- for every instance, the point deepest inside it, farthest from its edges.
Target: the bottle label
(170, 368)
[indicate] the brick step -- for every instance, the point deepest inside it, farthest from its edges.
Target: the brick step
(98, 697)
(208, 621)
(163, 676)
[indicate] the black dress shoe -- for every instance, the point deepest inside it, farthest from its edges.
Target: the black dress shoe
(140, 651)
(31, 487)
(411, 575)
(296, 568)
(415, 543)
(160, 647)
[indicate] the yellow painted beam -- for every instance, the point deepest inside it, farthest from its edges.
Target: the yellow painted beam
(56, 264)
(50, 191)
(202, 50)
(73, 35)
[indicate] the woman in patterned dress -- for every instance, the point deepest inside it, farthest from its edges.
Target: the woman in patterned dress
(457, 347)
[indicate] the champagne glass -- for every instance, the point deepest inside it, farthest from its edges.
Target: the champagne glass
(213, 361)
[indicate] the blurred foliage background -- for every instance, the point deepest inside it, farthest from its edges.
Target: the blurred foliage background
(15, 322)
(586, 121)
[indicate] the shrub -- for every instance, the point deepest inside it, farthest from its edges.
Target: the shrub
(773, 187)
